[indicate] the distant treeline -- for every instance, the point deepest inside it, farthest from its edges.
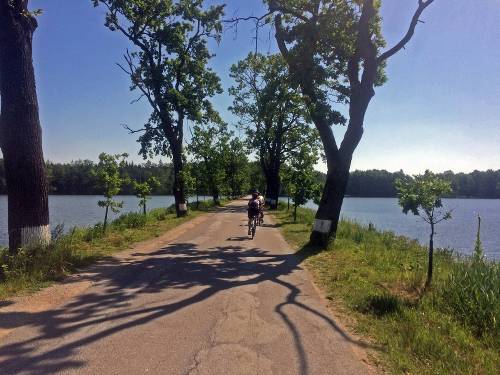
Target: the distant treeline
(380, 183)
(76, 178)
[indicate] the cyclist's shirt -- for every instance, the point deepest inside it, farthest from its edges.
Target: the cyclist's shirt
(261, 200)
(253, 207)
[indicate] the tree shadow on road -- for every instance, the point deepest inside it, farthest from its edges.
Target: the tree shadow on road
(177, 267)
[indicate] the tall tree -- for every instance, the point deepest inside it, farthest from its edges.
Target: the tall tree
(236, 168)
(208, 147)
(20, 130)
(169, 68)
(272, 114)
(334, 52)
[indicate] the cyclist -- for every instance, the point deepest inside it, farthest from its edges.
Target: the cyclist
(253, 209)
(261, 199)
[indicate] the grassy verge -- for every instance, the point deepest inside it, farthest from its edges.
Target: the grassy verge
(35, 268)
(375, 280)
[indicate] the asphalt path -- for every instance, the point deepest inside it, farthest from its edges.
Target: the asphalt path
(204, 299)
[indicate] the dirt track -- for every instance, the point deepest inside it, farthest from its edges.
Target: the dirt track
(202, 299)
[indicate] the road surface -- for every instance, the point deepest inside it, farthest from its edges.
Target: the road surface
(204, 299)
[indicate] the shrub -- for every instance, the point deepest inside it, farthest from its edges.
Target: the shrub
(159, 214)
(40, 262)
(93, 233)
(130, 220)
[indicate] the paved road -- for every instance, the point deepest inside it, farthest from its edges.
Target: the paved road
(207, 300)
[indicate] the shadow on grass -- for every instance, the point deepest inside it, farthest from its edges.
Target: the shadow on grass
(380, 305)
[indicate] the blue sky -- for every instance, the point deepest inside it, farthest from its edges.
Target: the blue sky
(439, 110)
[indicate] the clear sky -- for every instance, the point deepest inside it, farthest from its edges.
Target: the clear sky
(440, 109)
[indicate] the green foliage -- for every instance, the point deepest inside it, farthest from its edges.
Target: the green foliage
(110, 180)
(169, 66)
(373, 183)
(236, 168)
(143, 190)
(193, 180)
(422, 196)
(208, 147)
(256, 178)
(300, 177)
(321, 41)
(219, 161)
(472, 293)
(76, 178)
(271, 110)
(130, 220)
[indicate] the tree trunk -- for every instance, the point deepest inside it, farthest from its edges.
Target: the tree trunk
(105, 225)
(178, 188)
(339, 164)
(20, 130)
(328, 214)
(273, 188)
(294, 213)
(431, 258)
(288, 207)
(144, 209)
(215, 197)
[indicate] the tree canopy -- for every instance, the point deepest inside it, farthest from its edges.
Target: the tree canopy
(169, 67)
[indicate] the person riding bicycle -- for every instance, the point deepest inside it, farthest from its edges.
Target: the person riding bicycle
(253, 209)
(261, 199)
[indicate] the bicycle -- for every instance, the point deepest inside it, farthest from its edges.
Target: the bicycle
(260, 221)
(253, 225)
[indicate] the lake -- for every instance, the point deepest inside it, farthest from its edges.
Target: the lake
(384, 213)
(458, 233)
(82, 210)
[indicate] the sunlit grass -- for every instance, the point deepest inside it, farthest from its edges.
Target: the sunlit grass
(376, 279)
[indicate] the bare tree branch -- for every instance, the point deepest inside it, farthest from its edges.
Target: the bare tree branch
(133, 131)
(409, 34)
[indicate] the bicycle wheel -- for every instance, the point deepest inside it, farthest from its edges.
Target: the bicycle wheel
(254, 226)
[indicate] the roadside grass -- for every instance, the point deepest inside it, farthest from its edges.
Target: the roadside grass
(35, 268)
(376, 281)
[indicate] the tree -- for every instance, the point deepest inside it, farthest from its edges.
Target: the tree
(302, 179)
(169, 68)
(110, 181)
(256, 178)
(272, 114)
(333, 49)
(208, 147)
(195, 183)
(236, 168)
(20, 130)
(143, 191)
(422, 196)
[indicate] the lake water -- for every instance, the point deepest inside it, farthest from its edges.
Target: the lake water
(458, 233)
(82, 210)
